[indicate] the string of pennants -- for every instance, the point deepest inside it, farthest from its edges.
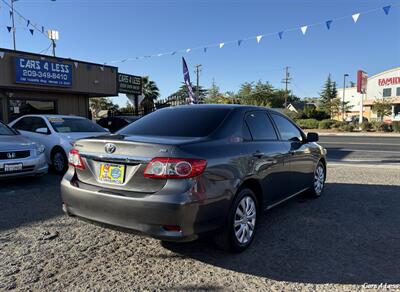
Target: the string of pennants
(280, 34)
(30, 26)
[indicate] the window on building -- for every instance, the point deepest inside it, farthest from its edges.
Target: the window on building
(387, 92)
(20, 107)
(398, 91)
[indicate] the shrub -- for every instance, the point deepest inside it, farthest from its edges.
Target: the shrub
(308, 123)
(347, 127)
(326, 124)
(381, 126)
(338, 124)
(396, 126)
(366, 126)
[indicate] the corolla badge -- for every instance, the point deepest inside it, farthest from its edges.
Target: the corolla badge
(110, 148)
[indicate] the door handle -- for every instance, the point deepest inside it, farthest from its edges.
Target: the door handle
(258, 154)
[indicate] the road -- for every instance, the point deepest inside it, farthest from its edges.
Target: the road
(362, 148)
(348, 237)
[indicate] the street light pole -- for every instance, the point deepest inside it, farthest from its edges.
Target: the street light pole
(13, 23)
(344, 92)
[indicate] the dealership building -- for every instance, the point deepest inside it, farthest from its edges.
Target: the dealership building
(39, 84)
(384, 85)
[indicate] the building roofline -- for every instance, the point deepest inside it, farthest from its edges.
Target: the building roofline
(384, 72)
(55, 58)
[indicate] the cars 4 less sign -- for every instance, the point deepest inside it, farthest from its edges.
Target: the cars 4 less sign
(42, 72)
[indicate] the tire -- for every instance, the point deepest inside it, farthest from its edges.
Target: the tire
(318, 183)
(236, 238)
(59, 161)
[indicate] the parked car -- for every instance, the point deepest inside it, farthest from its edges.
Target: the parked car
(19, 156)
(115, 123)
(57, 133)
(184, 171)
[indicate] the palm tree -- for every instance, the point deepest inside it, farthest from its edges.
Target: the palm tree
(150, 92)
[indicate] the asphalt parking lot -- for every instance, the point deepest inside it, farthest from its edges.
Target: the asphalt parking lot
(348, 237)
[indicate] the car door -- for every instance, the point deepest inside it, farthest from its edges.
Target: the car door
(28, 127)
(266, 156)
(301, 160)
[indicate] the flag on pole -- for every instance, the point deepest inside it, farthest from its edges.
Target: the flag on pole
(186, 78)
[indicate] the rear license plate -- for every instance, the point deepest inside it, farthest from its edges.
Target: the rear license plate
(13, 167)
(112, 173)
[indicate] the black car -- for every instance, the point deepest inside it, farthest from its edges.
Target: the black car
(116, 123)
(184, 171)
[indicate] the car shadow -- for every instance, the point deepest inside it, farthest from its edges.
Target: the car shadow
(29, 199)
(350, 235)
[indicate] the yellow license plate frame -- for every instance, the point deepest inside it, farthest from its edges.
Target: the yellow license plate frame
(112, 173)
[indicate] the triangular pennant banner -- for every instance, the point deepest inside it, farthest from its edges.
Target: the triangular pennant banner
(28, 22)
(386, 9)
(31, 31)
(188, 50)
(9, 28)
(259, 37)
(159, 55)
(76, 64)
(280, 34)
(102, 68)
(173, 53)
(1, 55)
(304, 29)
(355, 17)
(239, 42)
(221, 45)
(205, 50)
(328, 24)
(11, 13)
(42, 29)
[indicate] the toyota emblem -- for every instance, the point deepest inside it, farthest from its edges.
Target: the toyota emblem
(110, 148)
(11, 155)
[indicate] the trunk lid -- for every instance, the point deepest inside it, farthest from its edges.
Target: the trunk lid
(130, 157)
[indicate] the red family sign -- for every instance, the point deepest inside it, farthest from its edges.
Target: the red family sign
(362, 80)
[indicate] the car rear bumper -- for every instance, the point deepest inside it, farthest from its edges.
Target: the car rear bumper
(32, 166)
(150, 214)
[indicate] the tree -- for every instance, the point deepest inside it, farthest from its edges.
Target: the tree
(151, 93)
(96, 104)
(182, 94)
(215, 96)
(382, 108)
(327, 98)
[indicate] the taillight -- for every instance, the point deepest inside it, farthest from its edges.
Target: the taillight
(164, 167)
(75, 159)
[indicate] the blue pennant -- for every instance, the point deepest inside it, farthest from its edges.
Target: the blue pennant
(42, 29)
(173, 53)
(11, 13)
(31, 30)
(239, 42)
(205, 50)
(328, 24)
(386, 9)
(280, 34)
(9, 28)
(28, 22)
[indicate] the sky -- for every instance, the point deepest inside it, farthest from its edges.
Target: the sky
(107, 30)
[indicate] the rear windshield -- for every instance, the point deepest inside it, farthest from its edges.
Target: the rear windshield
(4, 130)
(71, 125)
(178, 122)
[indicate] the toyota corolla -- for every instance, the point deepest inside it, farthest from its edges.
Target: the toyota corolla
(185, 171)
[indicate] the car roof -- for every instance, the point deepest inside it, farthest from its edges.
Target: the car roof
(55, 116)
(226, 106)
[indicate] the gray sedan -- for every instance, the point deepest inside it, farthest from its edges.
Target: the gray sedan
(185, 171)
(20, 156)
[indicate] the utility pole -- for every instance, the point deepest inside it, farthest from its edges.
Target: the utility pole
(13, 24)
(344, 93)
(197, 71)
(286, 80)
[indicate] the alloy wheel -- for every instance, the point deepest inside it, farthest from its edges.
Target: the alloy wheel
(59, 162)
(319, 179)
(245, 220)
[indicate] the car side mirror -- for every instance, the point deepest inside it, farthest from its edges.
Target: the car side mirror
(42, 131)
(312, 137)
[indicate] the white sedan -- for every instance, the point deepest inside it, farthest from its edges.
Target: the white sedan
(57, 133)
